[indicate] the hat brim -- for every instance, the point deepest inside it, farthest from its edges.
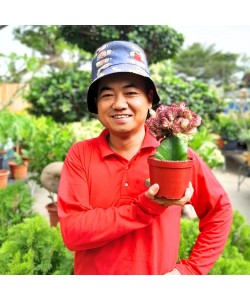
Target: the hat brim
(127, 68)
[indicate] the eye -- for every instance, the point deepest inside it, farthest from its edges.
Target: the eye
(106, 95)
(131, 93)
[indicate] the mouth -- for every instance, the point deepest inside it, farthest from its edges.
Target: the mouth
(121, 116)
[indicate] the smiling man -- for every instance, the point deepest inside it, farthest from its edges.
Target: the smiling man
(113, 223)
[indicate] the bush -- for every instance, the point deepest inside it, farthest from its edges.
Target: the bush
(15, 205)
(235, 258)
(198, 96)
(61, 95)
(35, 248)
(205, 144)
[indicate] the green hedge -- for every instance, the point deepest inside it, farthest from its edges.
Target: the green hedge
(16, 204)
(235, 258)
(35, 248)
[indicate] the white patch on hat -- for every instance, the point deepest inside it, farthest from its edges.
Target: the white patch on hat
(136, 62)
(103, 68)
(102, 62)
(116, 69)
(100, 49)
(103, 54)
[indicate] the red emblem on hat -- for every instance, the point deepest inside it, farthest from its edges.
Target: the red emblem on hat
(136, 56)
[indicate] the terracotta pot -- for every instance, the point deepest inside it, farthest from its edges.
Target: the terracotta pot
(172, 176)
(52, 211)
(4, 174)
(18, 171)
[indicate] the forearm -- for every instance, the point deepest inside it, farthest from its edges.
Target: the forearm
(215, 228)
(93, 228)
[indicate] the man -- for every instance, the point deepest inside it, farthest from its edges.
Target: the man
(113, 223)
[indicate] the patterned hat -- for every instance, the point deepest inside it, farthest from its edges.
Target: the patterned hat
(116, 57)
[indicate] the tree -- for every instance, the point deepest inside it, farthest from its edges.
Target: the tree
(205, 63)
(159, 42)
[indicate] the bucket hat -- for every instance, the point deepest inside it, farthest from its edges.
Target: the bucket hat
(116, 57)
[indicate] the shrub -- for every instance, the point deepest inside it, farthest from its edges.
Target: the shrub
(61, 95)
(35, 248)
(235, 258)
(15, 205)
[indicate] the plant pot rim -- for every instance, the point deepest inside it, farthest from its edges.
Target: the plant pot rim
(51, 204)
(171, 163)
(152, 157)
(4, 172)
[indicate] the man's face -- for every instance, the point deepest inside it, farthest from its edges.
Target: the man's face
(123, 102)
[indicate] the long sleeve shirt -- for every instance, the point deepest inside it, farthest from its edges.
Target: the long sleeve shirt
(113, 228)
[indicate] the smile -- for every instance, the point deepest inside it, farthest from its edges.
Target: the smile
(121, 116)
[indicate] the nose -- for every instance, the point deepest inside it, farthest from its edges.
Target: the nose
(120, 102)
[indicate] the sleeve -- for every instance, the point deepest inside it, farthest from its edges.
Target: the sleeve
(84, 227)
(214, 211)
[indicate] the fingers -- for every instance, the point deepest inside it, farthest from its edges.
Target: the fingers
(180, 202)
(152, 191)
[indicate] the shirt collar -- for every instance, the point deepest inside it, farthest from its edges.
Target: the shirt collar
(148, 142)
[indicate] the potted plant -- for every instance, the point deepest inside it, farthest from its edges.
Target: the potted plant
(50, 178)
(19, 166)
(244, 137)
(170, 166)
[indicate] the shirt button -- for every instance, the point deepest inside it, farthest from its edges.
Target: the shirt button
(127, 167)
(126, 184)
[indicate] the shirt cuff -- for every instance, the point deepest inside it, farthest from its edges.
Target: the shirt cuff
(150, 206)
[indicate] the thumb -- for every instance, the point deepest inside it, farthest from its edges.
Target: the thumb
(152, 191)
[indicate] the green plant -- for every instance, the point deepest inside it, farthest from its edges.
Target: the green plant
(198, 96)
(50, 143)
(225, 125)
(35, 248)
(19, 127)
(15, 205)
(244, 137)
(235, 258)
(174, 126)
(61, 95)
(205, 144)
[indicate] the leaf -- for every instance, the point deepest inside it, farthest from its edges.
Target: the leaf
(172, 148)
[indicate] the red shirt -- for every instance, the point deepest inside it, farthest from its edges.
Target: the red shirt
(114, 229)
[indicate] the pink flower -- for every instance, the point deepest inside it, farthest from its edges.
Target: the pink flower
(168, 121)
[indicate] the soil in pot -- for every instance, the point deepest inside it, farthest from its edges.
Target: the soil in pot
(172, 176)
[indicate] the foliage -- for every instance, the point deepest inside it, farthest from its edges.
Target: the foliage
(160, 42)
(61, 95)
(50, 143)
(17, 126)
(205, 144)
(235, 258)
(225, 125)
(45, 140)
(198, 96)
(35, 248)
(15, 205)
(205, 63)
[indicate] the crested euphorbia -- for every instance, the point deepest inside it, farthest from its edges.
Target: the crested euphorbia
(174, 126)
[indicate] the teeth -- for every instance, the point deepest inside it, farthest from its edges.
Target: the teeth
(121, 117)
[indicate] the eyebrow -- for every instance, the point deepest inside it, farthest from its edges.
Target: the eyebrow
(106, 88)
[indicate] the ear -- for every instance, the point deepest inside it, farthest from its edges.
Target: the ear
(150, 98)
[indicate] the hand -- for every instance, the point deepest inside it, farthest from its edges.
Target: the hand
(153, 190)
(173, 272)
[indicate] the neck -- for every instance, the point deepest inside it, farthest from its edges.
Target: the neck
(126, 146)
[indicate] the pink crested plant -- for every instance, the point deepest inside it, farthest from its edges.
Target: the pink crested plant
(173, 126)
